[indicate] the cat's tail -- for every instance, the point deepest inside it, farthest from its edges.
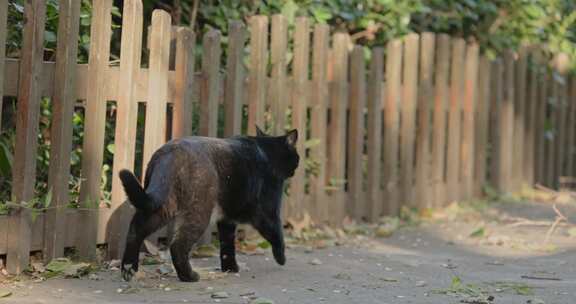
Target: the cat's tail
(136, 193)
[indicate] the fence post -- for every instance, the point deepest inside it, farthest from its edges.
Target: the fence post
(318, 119)
(299, 102)
(439, 128)
(357, 102)
(423, 151)
(233, 94)
(455, 120)
(184, 81)
(278, 91)
(391, 125)
(61, 130)
(519, 115)
(408, 121)
(209, 86)
(126, 119)
(482, 123)
(257, 72)
(468, 106)
(3, 34)
(553, 109)
(337, 136)
(374, 144)
(24, 169)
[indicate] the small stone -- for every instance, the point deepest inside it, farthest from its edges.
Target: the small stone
(98, 291)
(421, 284)
(315, 262)
(94, 277)
(164, 269)
(535, 301)
(114, 264)
(220, 295)
(167, 289)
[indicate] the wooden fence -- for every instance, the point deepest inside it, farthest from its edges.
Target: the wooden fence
(424, 121)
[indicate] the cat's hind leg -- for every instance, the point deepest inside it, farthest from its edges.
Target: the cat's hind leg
(227, 236)
(187, 233)
(142, 225)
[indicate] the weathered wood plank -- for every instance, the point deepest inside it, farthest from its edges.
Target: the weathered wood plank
(455, 120)
(184, 82)
(422, 174)
(496, 95)
(3, 35)
(391, 126)
(318, 120)
(540, 123)
(408, 119)
(505, 148)
(468, 106)
(27, 115)
(552, 137)
(374, 141)
(562, 63)
(234, 85)
(519, 115)
(155, 128)
(299, 102)
(337, 125)
(571, 127)
(93, 146)
(209, 87)
(257, 72)
(439, 119)
(529, 121)
(482, 124)
(125, 131)
(61, 129)
(356, 205)
(278, 93)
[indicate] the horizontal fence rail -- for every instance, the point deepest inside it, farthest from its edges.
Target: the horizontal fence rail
(421, 122)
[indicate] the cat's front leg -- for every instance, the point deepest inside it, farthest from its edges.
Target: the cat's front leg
(227, 236)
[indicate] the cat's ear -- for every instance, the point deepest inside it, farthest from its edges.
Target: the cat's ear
(259, 132)
(292, 137)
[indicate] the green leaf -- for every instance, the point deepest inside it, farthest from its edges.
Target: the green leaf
(321, 14)
(48, 199)
(6, 160)
(264, 245)
(289, 10)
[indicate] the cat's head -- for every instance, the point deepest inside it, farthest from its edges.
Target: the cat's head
(280, 151)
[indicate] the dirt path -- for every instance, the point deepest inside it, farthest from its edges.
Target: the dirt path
(506, 261)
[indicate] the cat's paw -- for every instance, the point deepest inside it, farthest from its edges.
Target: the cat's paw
(230, 266)
(128, 271)
(192, 276)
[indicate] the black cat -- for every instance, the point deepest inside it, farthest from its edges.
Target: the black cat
(189, 180)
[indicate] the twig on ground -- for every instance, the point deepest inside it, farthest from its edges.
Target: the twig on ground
(559, 218)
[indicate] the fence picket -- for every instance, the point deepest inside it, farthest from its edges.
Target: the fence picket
(257, 72)
(299, 102)
(506, 126)
(391, 125)
(519, 114)
(468, 106)
(184, 82)
(318, 120)
(529, 162)
(482, 123)
(541, 142)
(338, 123)
(3, 34)
(233, 93)
(439, 119)
(27, 120)
(209, 87)
(61, 129)
(375, 102)
(422, 188)
(277, 94)
(126, 119)
(356, 205)
(455, 120)
(408, 121)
